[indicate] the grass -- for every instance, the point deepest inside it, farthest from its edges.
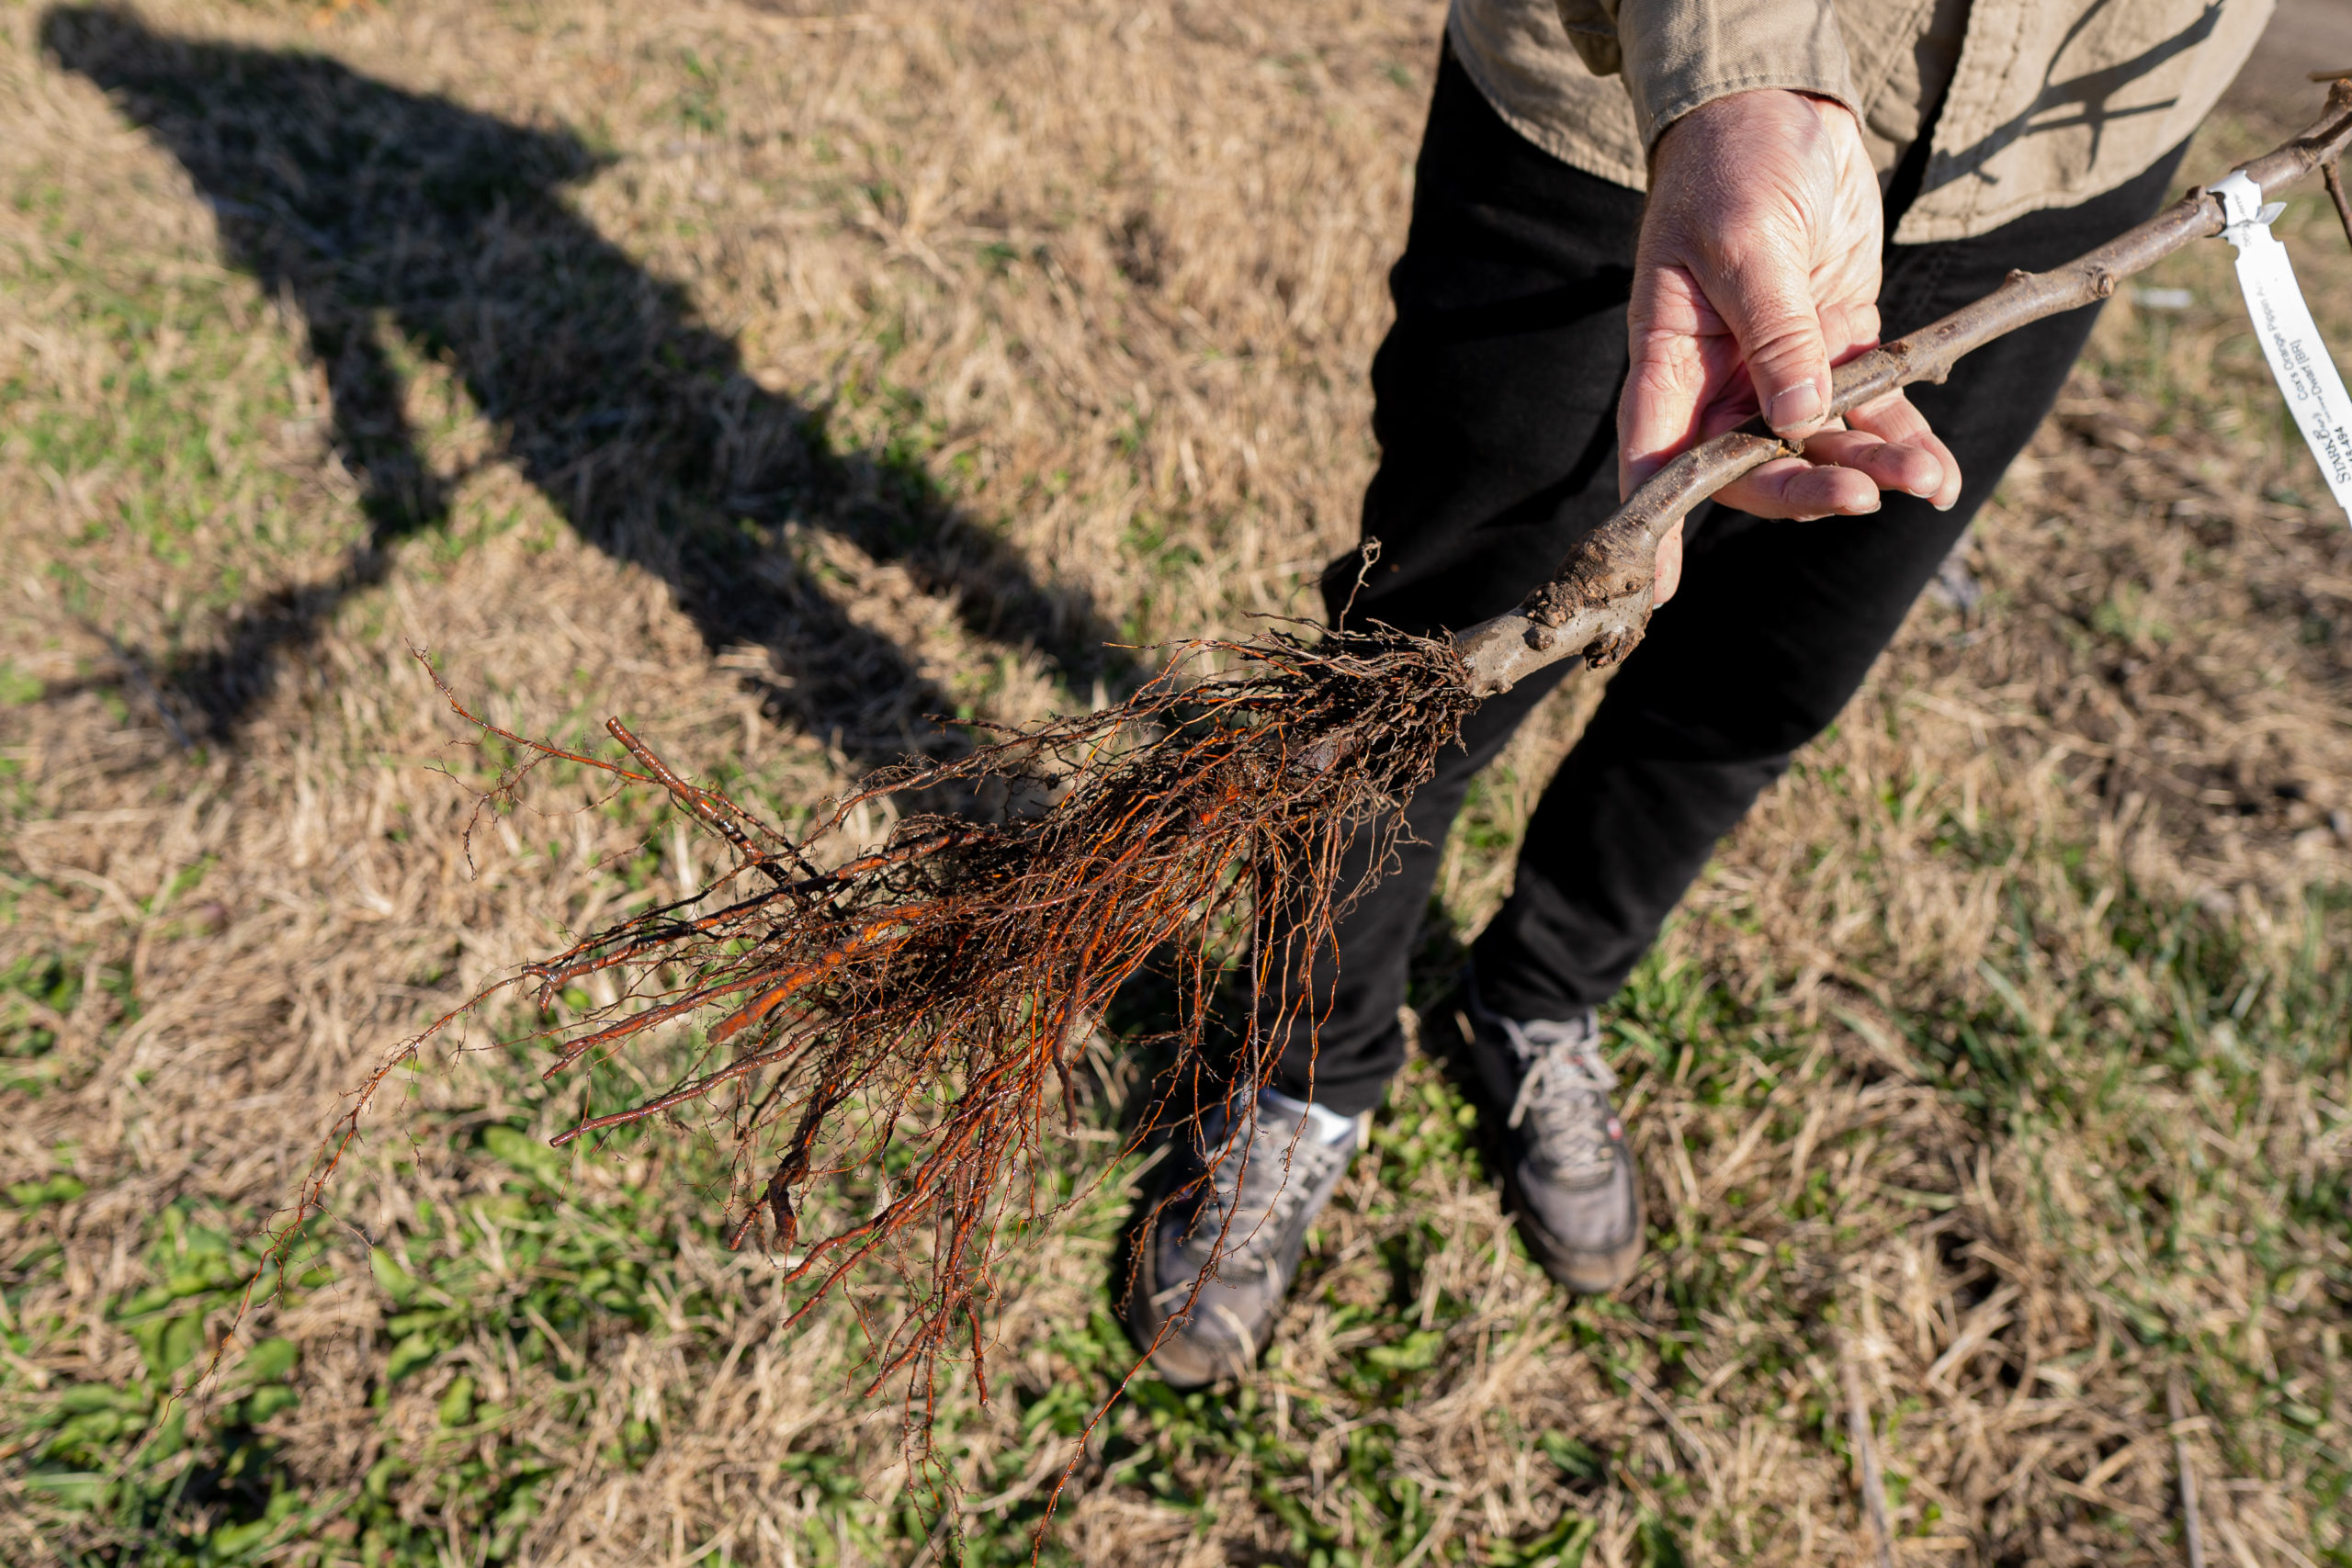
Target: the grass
(2005, 1053)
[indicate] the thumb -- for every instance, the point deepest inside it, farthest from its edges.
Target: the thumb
(1770, 311)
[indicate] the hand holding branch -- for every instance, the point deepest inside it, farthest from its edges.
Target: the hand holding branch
(1758, 268)
(1598, 604)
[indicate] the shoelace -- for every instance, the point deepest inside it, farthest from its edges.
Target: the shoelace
(1258, 1186)
(1566, 1090)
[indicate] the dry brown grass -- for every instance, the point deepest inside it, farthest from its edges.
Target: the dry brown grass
(2003, 1052)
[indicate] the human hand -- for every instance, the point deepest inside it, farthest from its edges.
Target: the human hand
(1757, 270)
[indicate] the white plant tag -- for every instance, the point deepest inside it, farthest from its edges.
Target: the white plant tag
(2291, 340)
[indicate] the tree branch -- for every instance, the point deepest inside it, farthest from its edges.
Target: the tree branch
(1598, 604)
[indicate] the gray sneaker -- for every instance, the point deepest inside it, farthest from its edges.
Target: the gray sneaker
(1254, 1194)
(1566, 1166)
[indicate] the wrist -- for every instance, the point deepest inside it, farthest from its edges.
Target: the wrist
(1753, 109)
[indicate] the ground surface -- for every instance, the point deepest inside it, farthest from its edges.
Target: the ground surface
(777, 377)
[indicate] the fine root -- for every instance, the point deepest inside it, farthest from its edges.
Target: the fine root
(924, 996)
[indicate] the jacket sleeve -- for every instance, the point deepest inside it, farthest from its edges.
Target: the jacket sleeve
(1677, 55)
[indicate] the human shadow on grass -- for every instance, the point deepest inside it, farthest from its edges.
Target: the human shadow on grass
(385, 216)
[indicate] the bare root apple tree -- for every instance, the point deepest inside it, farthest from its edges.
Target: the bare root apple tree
(928, 992)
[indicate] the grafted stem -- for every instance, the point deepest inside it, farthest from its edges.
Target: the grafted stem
(1598, 604)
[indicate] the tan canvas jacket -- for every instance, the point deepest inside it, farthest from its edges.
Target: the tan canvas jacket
(2045, 103)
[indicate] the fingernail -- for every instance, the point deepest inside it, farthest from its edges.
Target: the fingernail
(1800, 404)
(1948, 505)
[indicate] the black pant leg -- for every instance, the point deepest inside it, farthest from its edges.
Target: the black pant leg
(1775, 627)
(1496, 398)
(1494, 392)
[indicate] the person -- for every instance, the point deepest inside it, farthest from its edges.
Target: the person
(1636, 223)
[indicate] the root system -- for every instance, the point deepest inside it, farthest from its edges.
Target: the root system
(929, 992)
